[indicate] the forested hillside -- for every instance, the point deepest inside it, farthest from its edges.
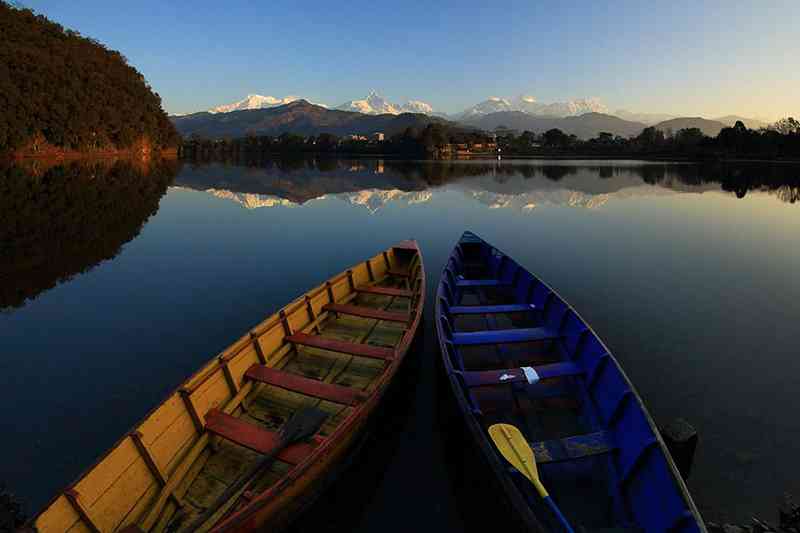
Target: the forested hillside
(59, 90)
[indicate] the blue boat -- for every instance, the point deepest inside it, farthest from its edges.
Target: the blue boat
(516, 353)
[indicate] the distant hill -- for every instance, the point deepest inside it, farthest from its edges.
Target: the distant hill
(583, 126)
(63, 92)
(752, 123)
(645, 118)
(708, 127)
(300, 117)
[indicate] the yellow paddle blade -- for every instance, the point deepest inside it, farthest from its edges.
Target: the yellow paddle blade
(512, 445)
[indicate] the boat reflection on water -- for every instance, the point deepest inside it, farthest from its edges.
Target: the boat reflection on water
(61, 220)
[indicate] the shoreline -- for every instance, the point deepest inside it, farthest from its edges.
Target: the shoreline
(501, 157)
(55, 155)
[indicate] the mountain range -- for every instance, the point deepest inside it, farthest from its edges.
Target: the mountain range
(585, 118)
(375, 104)
(530, 106)
(298, 116)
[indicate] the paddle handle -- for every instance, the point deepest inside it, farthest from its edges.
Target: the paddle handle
(556, 511)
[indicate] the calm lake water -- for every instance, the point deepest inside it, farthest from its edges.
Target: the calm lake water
(117, 281)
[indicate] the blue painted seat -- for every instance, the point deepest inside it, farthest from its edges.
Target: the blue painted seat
(484, 378)
(500, 336)
(491, 309)
(472, 283)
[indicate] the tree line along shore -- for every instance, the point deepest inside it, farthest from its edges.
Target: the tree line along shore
(781, 141)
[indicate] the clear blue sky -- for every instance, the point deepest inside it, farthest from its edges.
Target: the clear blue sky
(706, 58)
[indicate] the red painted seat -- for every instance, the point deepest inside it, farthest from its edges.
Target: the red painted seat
(253, 437)
(366, 312)
(304, 385)
(336, 345)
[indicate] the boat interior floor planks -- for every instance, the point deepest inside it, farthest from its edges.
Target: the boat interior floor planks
(335, 349)
(516, 353)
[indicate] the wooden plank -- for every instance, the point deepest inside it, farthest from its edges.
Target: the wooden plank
(213, 393)
(502, 336)
(462, 283)
(571, 448)
(367, 312)
(59, 516)
(483, 378)
(167, 449)
(307, 386)
(386, 291)
(491, 309)
(254, 437)
(397, 273)
(239, 364)
(113, 506)
(335, 345)
(105, 473)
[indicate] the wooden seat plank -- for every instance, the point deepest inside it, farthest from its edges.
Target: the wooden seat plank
(517, 375)
(254, 437)
(466, 283)
(304, 385)
(571, 448)
(366, 312)
(385, 291)
(500, 336)
(397, 273)
(491, 309)
(336, 345)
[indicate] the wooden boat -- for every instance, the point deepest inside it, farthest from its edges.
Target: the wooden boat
(516, 353)
(337, 348)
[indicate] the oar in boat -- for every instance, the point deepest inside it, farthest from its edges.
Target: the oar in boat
(302, 425)
(513, 446)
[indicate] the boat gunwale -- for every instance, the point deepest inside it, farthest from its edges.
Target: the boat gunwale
(477, 429)
(30, 524)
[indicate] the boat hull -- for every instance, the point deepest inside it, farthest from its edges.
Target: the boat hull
(545, 371)
(338, 346)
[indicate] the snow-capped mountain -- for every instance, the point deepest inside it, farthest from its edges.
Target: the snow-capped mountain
(529, 104)
(494, 104)
(375, 104)
(255, 101)
(375, 199)
(417, 106)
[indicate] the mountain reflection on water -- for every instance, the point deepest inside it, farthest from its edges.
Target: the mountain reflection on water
(498, 184)
(62, 220)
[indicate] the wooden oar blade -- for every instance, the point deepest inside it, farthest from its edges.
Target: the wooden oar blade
(303, 424)
(512, 445)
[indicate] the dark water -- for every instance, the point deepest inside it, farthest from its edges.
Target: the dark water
(117, 281)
